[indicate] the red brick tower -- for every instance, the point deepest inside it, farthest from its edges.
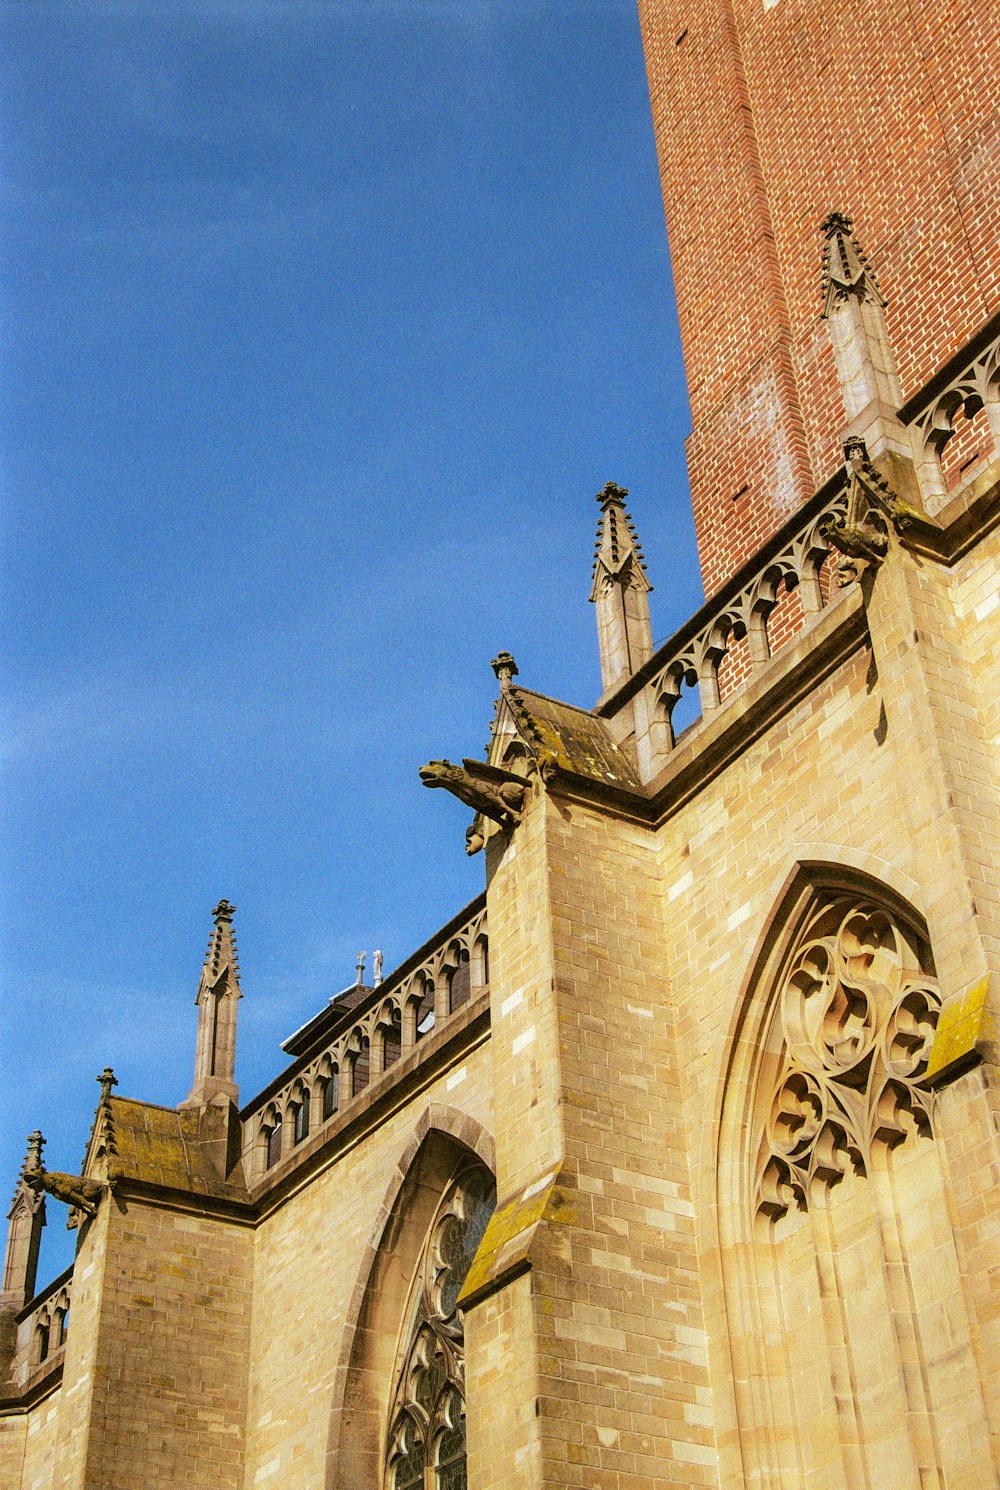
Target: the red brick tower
(769, 116)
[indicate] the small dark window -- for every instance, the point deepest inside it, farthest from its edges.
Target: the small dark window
(302, 1118)
(63, 1319)
(42, 1342)
(362, 1067)
(461, 984)
(274, 1143)
(331, 1094)
(392, 1042)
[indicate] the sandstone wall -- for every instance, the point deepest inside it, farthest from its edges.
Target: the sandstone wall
(311, 1256)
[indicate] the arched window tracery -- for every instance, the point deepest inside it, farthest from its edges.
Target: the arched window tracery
(838, 1256)
(426, 1439)
(858, 1006)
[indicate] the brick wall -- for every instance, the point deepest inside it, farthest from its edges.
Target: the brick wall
(767, 117)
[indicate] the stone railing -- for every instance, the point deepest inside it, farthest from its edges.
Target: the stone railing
(421, 998)
(42, 1328)
(739, 615)
(968, 384)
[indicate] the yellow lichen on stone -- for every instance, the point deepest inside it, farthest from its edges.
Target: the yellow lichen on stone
(506, 1244)
(963, 1025)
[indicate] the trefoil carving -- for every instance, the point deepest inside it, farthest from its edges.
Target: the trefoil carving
(858, 1007)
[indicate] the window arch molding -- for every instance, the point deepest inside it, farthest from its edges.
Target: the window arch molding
(443, 1141)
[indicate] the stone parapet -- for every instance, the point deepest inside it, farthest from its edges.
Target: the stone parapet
(371, 1044)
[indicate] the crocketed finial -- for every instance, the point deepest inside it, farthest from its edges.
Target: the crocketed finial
(847, 273)
(505, 668)
(611, 494)
(619, 588)
(33, 1158)
(217, 997)
(221, 951)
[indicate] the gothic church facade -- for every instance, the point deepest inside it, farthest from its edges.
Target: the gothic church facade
(673, 1159)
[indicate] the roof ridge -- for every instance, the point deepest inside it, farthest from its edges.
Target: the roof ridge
(138, 1102)
(550, 698)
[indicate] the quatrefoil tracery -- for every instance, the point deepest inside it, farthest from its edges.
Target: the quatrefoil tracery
(858, 1006)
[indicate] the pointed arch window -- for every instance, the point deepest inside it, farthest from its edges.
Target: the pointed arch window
(835, 1224)
(361, 1067)
(426, 1439)
(301, 1111)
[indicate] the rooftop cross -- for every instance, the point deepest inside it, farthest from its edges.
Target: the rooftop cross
(107, 1079)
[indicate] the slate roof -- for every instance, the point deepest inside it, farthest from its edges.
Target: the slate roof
(161, 1145)
(572, 739)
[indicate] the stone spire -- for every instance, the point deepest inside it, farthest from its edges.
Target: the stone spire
(620, 591)
(854, 311)
(217, 1000)
(25, 1218)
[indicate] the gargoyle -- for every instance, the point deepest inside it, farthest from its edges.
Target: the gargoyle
(495, 793)
(75, 1191)
(862, 533)
(475, 838)
(855, 541)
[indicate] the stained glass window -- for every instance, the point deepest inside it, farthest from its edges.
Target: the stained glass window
(427, 1422)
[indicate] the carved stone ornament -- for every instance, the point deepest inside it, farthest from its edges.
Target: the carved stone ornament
(79, 1193)
(847, 274)
(490, 790)
(861, 534)
(427, 1419)
(858, 1007)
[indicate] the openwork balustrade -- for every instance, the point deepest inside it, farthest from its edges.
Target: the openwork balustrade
(741, 611)
(390, 1022)
(968, 385)
(41, 1333)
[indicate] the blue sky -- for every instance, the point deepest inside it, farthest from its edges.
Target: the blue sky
(323, 323)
